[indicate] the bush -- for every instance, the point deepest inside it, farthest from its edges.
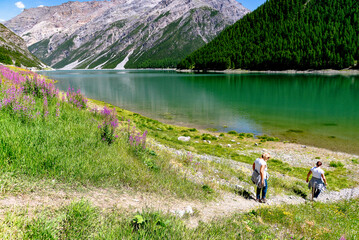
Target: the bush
(265, 138)
(336, 164)
(109, 125)
(206, 136)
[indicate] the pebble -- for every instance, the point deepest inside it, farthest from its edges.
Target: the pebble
(181, 213)
(233, 140)
(229, 145)
(184, 139)
(303, 146)
(189, 210)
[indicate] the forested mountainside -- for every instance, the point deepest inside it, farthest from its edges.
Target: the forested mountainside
(286, 34)
(13, 50)
(122, 33)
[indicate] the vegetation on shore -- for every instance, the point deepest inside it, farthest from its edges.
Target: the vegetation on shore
(228, 146)
(285, 34)
(81, 220)
(56, 138)
(48, 136)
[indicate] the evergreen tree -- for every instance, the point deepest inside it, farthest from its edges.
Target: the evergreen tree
(286, 34)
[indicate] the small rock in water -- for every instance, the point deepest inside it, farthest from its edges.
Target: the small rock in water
(184, 139)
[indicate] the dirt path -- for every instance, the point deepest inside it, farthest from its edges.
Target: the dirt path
(135, 201)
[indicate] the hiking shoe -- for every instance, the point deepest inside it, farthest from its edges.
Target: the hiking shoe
(263, 200)
(258, 200)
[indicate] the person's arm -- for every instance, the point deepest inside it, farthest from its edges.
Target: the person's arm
(325, 180)
(254, 166)
(309, 173)
(262, 174)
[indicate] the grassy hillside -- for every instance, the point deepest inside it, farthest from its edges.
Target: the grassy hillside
(286, 34)
(13, 50)
(52, 140)
(48, 136)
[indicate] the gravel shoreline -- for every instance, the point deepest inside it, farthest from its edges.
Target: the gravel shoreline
(291, 71)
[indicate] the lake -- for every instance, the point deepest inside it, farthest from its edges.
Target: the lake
(319, 110)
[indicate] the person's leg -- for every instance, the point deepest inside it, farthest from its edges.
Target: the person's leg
(316, 192)
(258, 195)
(264, 190)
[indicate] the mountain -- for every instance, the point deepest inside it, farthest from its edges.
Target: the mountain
(13, 50)
(123, 33)
(286, 34)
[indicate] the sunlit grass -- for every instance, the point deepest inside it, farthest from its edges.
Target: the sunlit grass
(81, 220)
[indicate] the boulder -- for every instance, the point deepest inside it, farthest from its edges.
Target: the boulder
(184, 139)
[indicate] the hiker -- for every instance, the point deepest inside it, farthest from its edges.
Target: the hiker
(260, 176)
(318, 181)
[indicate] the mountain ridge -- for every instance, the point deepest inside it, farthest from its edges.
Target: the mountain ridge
(157, 33)
(13, 50)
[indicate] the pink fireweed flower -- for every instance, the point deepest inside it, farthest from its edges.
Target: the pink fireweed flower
(105, 111)
(131, 140)
(114, 123)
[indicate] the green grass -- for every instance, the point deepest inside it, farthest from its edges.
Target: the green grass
(69, 149)
(81, 220)
(336, 164)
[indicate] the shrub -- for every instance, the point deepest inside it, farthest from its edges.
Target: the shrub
(336, 164)
(206, 136)
(109, 125)
(265, 138)
(76, 98)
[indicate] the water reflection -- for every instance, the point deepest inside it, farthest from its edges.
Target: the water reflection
(326, 105)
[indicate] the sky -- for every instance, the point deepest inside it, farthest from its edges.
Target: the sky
(11, 8)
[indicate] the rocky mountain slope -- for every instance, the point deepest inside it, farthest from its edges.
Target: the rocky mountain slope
(123, 33)
(13, 50)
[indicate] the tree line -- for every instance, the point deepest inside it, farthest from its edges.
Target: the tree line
(286, 34)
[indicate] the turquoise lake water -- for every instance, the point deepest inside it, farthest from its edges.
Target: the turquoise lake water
(317, 110)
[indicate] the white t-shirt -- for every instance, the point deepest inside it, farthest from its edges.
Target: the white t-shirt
(317, 172)
(259, 162)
